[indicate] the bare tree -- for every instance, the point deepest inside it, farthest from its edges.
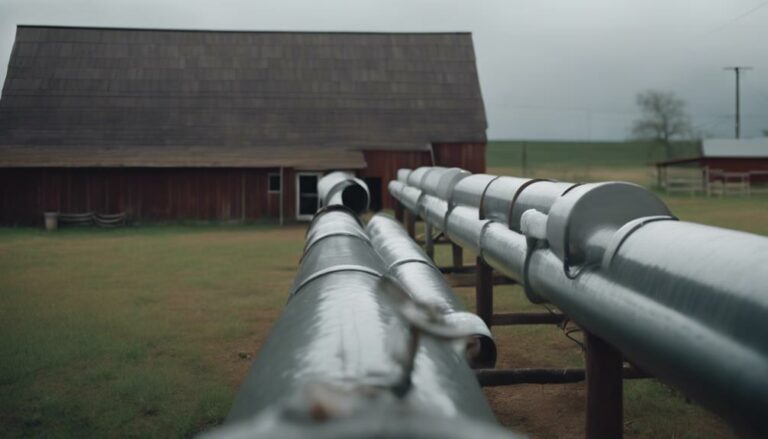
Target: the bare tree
(663, 119)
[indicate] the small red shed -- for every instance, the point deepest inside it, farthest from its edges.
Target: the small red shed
(742, 163)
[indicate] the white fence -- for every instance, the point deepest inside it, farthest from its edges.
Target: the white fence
(713, 182)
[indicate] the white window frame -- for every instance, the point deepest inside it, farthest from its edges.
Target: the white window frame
(298, 194)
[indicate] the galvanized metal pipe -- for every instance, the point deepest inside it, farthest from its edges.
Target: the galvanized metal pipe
(439, 182)
(343, 327)
(694, 336)
(686, 302)
(469, 190)
(419, 276)
(343, 188)
(407, 195)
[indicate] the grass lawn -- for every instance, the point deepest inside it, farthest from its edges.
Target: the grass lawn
(149, 331)
(136, 332)
(581, 162)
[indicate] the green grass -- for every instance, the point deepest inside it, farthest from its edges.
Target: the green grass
(509, 154)
(133, 332)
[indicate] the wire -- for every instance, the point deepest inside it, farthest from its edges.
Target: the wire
(569, 332)
(739, 17)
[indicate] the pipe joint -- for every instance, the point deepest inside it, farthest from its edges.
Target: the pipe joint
(582, 222)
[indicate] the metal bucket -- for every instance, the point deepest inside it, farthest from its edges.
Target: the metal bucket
(51, 221)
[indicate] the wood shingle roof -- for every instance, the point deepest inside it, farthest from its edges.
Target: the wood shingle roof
(123, 90)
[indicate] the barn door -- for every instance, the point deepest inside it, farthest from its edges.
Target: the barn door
(307, 200)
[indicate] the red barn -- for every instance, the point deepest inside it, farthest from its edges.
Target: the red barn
(226, 126)
(742, 163)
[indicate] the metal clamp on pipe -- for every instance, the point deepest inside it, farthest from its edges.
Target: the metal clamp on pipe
(536, 194)
(499, 197)
(469, 190)
(582, 221)
(624, 232)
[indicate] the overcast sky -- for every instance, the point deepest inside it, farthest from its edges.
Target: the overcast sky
(549, 69)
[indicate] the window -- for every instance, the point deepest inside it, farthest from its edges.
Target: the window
(307, 200)
(274, 183)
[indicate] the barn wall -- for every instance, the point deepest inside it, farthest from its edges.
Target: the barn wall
(146, 194)
(206, 194)
(739, 165)
(384, 165)
(469, 156)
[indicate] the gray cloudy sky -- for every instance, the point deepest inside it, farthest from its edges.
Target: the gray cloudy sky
(549, 69)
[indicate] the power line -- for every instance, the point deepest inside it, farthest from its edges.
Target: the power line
(739, 17)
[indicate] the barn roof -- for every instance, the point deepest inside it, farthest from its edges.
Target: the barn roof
(725, 150)
(188, 157)
(114, 92)
(741, 148)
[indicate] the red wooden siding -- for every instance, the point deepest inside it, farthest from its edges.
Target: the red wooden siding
(173, 194)
(146, 194)
(739, 165)
(469, 156)
(384, 164)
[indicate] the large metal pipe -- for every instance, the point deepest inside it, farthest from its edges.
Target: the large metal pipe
(407, 195)
(343, 188)
(440, 182)
(675, 315)
(346, 329)
(469, 191)
(419, 276)
(499, 197)
(463, 227)
(688, 303)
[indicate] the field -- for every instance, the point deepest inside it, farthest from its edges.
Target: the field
(542, 154)
(148, 332)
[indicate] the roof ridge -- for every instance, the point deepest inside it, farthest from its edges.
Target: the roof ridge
(45, 26)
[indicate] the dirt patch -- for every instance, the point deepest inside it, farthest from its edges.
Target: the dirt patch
(234, 358)
(542, 411)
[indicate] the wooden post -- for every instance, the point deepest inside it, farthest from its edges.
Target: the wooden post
(509, 377)
(604, 367)
(242, 196)
(399, 211)
(658, 176)
(429, 244)
(528, 318)
(282, 187)
(458, 255)
(410, 223)
(484, 292)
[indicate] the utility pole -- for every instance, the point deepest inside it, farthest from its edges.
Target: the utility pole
(737, 70)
